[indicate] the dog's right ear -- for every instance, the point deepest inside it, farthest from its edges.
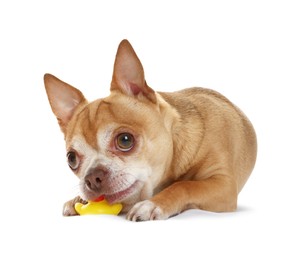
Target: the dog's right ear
(63, 99)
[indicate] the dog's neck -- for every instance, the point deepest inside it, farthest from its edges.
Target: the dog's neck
(184, 148)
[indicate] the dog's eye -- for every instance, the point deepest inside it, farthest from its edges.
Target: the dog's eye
(124, 142)
(73, 160)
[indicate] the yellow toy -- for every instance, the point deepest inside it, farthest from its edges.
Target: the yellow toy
(99, 206)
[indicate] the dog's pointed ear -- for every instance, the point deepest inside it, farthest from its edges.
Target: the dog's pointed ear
(63, 99)
(128, 75)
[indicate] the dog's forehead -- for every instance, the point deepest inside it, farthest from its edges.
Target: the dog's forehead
(97, 120)
(88, 121)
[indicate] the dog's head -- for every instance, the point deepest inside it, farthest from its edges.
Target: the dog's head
(118, 146)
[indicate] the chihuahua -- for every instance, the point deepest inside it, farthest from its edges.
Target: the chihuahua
(157, 153)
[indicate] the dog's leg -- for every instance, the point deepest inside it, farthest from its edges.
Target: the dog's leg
(68, 209)
(217, 193)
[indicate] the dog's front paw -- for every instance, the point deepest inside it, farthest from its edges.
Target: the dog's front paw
(68, 209)
(146, 210)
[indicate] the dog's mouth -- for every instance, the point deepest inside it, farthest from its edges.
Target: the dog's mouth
(121, 195)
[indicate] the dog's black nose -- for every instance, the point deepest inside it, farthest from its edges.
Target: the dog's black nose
(94, 179)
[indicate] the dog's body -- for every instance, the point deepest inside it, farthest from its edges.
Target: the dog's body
(156, 153)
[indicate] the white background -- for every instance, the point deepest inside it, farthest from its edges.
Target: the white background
(248, 50)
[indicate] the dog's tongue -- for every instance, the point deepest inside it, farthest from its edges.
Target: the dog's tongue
(100, 198)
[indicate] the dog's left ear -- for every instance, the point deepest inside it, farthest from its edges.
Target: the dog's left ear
(128, 75)
(63, 99)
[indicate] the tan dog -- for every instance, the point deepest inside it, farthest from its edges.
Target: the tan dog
(156, 153)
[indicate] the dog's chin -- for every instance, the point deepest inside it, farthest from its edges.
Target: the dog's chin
(129, 193)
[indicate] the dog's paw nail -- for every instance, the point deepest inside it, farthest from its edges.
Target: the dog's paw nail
(146, 210)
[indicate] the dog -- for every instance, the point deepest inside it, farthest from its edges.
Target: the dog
(157, 153)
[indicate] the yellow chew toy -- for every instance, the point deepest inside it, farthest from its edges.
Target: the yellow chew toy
(100, 206)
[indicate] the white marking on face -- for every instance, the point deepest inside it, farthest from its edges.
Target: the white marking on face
(104, 138)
